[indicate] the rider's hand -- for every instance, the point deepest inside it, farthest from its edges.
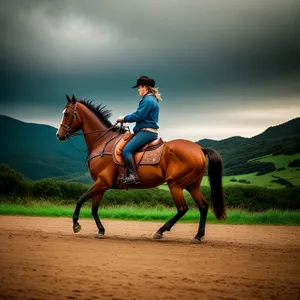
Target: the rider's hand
(120, 119)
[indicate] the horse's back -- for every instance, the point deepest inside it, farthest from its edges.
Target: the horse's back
(183, 151)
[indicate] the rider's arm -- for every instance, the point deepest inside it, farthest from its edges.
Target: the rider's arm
(141, 113)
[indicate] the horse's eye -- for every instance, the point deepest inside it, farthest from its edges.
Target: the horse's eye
(66, 114)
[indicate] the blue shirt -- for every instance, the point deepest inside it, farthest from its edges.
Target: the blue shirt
(146, 115)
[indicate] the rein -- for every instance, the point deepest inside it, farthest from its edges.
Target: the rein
(91, 132)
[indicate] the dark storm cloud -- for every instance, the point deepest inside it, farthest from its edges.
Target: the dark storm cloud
(201, 53)
(208, 38)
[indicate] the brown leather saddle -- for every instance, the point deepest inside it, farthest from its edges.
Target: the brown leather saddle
(149, 154)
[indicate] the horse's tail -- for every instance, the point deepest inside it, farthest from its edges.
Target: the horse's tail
(215, 180)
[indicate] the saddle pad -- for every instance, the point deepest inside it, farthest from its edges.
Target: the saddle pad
(152, 157)
(142, 157)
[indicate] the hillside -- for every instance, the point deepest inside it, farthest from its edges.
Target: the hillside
(290, 128)
(33, 150)
(237, 151)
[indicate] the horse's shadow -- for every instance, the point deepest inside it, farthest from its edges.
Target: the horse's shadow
(142, 239)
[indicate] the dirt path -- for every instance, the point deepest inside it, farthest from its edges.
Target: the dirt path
(41, 258)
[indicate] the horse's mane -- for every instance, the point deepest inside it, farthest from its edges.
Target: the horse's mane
(101, 112)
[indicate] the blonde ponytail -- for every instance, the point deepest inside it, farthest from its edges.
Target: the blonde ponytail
(155, 92)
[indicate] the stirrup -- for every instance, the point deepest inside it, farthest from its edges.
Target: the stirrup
(130, 179)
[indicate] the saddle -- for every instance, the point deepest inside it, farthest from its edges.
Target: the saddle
(149, 154)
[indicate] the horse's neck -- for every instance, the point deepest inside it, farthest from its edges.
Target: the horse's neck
(90, 123)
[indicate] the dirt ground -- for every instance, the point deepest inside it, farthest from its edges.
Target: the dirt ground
(41, 258)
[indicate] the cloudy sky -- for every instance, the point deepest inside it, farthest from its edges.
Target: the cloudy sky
(224, 67)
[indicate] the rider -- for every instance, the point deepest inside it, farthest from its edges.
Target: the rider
(146, 128)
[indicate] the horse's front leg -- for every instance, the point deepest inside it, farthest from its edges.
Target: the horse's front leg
(95, 205)
(92, 192)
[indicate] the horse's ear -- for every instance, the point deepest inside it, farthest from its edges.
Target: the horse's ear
(68, 98)
(73, 99)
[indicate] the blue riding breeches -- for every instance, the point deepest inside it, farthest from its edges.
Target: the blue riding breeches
(139, 140)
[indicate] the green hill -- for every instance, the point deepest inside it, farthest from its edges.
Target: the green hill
(290, 128)
(33, 150)
(237, 152)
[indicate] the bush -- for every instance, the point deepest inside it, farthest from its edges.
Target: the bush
(72, 190)
(294, 163)
(233, 179)
(281, 169)
(46, 188)
(10, 180)
(146, 198)
(244, 181)
(254, 198)
(283, 181)
(267, 168)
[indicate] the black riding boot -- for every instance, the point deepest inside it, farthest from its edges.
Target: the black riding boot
(133, 176)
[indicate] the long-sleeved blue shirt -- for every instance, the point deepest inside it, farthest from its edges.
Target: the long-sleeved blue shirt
(146, 115)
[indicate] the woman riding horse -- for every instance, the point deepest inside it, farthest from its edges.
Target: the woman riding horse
(146, 128)
(182, 164)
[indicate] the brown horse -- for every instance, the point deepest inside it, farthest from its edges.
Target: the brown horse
(182, 166)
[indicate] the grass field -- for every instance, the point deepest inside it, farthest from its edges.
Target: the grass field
(278, 160)
(270, 217)
(290, 174)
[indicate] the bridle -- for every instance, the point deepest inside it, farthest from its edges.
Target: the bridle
(68, 129)
(70, 133)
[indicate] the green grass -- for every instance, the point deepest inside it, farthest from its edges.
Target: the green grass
(262, 181)
(278, 160)
(270, 217)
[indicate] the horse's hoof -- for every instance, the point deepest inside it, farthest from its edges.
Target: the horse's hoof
(197, 240)
(76, 228)
(157, 236)
(99, 235)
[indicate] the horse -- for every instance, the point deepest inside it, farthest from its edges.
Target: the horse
(182, 166)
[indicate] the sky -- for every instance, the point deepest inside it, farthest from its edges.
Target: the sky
(224, 67)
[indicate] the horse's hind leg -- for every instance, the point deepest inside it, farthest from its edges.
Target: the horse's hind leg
(182, 208)
(194, 190)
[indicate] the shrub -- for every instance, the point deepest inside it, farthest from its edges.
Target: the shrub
(281, 169)
(294, 163)
(283, 181)
(71, 190)
(267, 168)
(46, 188)
(244, 181)
(254, 198)
(10, 180)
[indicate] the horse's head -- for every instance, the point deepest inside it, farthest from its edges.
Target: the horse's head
(70, 122)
